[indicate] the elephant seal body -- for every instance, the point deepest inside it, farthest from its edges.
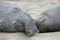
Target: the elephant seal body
(49, 20)
(13, 19)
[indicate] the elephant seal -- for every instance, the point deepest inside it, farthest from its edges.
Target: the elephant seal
(13, 19)
(49, 20)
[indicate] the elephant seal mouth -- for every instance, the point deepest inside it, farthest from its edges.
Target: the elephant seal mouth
(30, 33)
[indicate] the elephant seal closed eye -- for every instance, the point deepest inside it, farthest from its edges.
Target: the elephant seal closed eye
(49, 20)
(13, 19)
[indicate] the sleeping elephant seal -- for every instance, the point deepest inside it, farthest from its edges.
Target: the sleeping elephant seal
(49, 20)
(13, 19)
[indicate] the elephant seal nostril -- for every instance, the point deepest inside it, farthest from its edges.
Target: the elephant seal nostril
(28, 32)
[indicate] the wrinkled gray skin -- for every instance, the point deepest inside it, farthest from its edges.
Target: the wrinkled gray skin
(49, 20)
(13, 19)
